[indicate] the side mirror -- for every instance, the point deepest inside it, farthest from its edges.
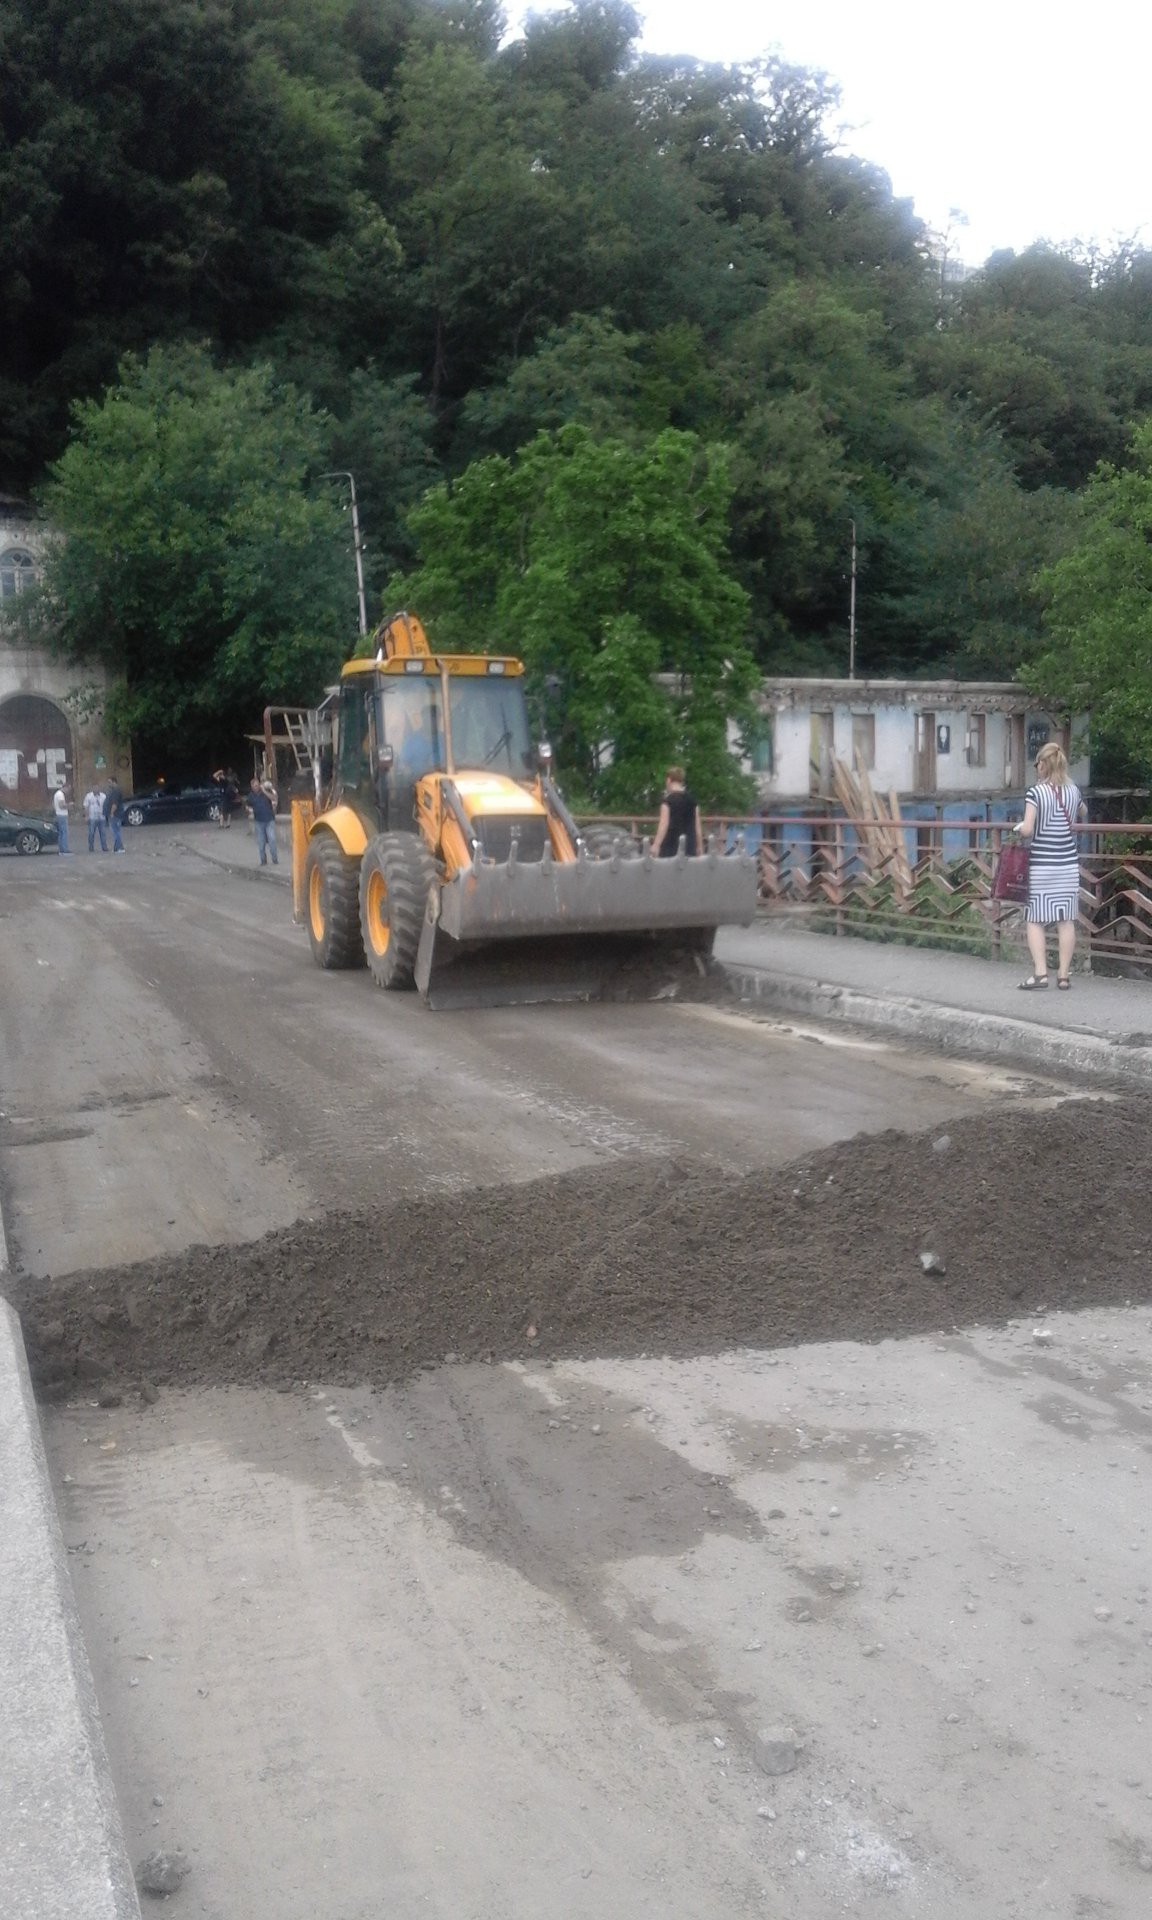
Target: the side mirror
(544, 755)
(384, 759)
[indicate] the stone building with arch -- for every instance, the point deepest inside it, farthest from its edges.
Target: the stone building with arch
(52, 730)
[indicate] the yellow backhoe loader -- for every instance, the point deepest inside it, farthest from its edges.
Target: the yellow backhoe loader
(432, 843)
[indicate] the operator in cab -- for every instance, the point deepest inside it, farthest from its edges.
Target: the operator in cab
(414, 735)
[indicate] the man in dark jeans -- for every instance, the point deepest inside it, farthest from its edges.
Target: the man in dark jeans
(114, 812)
(264, 820)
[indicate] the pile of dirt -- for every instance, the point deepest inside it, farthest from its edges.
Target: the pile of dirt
(663, 970)
(1023, 1211)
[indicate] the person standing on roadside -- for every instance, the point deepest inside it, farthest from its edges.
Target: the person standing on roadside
(263, 811)
(114, 811)
(60, 809)
(679, 819)
(224, 779)
(94, 815)
(1051, 809)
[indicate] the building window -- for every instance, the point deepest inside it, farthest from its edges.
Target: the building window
(864, 739)
(760, 744)
(977, 739)
(18, 570)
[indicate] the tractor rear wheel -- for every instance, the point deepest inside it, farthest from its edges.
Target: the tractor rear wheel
(331, 904)
(603, 842)
(396, 876)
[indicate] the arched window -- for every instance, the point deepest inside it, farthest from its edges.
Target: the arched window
(17, 571)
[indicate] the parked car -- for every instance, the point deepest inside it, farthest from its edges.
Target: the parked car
(27, 832)
(173, 802)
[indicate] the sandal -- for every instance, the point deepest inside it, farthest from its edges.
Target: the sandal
(1063, 982)
(1033, 981)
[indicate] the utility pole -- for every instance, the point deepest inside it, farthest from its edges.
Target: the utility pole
(852, 609)
(357, 549)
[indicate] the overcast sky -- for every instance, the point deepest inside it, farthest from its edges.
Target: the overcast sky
(1033, 119)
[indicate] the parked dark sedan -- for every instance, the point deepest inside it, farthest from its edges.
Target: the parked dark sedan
(173, 802)
(26, 832)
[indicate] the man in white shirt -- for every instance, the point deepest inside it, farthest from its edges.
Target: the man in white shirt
(94, 815)
(60, 809)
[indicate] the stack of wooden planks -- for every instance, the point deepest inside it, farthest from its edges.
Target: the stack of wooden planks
(879, 824)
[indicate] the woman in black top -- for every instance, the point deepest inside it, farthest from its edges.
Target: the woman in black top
(679, 818)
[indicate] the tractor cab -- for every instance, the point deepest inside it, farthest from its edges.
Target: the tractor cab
(400, 721)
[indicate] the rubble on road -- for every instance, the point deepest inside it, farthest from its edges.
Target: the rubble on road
(1027, 1212)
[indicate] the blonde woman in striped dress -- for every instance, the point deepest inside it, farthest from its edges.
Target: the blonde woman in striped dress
(1051, 809)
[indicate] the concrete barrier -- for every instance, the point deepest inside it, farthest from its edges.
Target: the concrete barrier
(62, 1853)
(949, 1029)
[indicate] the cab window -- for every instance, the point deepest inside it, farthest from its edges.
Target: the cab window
(490, 725)
(355, 744)
(412, 726)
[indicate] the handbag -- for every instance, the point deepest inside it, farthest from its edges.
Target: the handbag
(1010, 880)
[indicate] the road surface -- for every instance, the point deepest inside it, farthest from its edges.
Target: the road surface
(177, 1070)
(518, 1640)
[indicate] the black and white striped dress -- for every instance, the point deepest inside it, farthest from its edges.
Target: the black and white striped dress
(1053, 861)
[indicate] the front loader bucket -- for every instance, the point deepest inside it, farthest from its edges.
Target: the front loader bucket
(516, 933)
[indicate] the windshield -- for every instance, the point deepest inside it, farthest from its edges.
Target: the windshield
(412, 725)
(490, 725)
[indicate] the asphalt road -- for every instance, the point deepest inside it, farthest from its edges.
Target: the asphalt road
(506, 1642)
(177, 1070)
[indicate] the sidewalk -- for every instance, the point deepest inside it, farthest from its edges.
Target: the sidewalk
(62, 1853)
(952, 1001)
(235, 850)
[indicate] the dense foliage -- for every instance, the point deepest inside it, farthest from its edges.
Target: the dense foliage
(1099, 654)
(428, 244)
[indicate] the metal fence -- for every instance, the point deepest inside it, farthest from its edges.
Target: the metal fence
(928, 881)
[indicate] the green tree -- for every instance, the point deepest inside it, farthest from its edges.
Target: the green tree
(187, 169)
(961, 593)
(485, 231)
(589, 373)
(195, 554)
(603, 564)
(1040, 344)
(1099, 619)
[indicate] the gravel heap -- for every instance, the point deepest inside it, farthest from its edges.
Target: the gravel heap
(1022, 1210)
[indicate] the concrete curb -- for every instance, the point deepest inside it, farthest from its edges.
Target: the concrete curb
(247, 870)
(62, 1851)
(951, 1029)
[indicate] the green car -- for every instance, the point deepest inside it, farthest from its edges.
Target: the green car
(27, 832)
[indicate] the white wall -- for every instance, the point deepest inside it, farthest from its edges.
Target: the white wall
(35, 670)
(895, 756)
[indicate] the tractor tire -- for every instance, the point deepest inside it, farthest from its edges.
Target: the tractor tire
(603, 842)
(331, 904)
(396, 875)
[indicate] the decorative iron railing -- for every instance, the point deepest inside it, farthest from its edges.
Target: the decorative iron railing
(928, 881)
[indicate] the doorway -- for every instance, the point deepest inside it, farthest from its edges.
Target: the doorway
(820, 743)
(925, 753)
(1016, 740)
(35, 752)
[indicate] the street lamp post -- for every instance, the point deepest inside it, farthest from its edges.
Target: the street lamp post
(356, 546)
(852, 609)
